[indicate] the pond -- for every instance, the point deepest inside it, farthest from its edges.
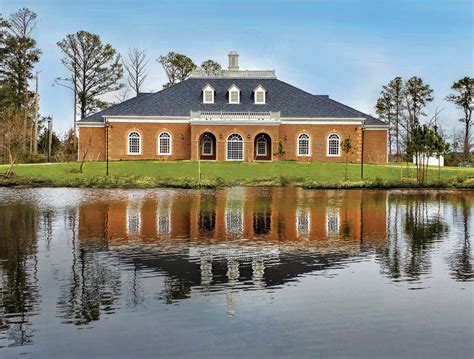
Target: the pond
(239, 272)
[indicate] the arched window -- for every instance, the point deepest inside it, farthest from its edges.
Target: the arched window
(303, 145)
(134, 143)
(164, 144)
(262, 146)
(333, 145)
(206, 149)
(235, 147)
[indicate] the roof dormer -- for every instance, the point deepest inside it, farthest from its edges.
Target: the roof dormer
(259, 95)
(208, 94)
(234, 94)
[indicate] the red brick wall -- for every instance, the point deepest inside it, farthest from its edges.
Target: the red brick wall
(92, 142)
(185, 141)
(375, 146)
(318, 141)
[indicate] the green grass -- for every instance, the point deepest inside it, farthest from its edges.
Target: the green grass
(184, 174)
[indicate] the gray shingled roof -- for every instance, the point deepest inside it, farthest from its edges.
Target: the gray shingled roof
(186, 96)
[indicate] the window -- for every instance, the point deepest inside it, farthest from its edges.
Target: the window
(234, 94)
(206, 147)
(234, 97)
(164, 144)
(208, 94)
(303, 145)
(262, 146)
(333, 145)
(235, 148)
(134, 143)
(259, 95)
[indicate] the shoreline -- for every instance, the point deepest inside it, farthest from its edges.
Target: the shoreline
(132, 182)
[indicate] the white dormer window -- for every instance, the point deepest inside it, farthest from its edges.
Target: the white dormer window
(259, 95)
(234, 94)
(208, 94)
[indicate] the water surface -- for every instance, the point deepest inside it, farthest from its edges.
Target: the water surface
(265, 272)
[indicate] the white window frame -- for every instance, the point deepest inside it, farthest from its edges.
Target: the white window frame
(234, 89)
(212, 145)
(262, 139)
(338, 145)
(170, 138)
(227, 147)
(139, 143)
(298, 145)
(207, 88)
(260, 89)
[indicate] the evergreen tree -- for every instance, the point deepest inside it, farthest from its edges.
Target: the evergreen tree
(95, 69)
(464, 89)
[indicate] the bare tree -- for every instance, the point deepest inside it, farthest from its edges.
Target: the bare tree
(135, 65)
(14, 138)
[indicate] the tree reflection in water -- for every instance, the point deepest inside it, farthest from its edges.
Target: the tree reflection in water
(19, 296)
(420, 218)
(460, 261)
(218, 243)
(93, 285)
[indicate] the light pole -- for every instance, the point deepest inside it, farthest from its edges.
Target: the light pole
(362, 155)
(107, 125)
(50, 136)
(199, 147)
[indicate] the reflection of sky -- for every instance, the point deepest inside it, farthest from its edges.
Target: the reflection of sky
(348, 309)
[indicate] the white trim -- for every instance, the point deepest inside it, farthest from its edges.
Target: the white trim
(227, 147)
(90, 124)
(298, 145)
(349, 119)
(170, 145)
(234, 122)
(338, 147)
(149, 119)
(376, 128)
(139, 143)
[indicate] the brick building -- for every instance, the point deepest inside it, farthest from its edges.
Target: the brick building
(231, 115)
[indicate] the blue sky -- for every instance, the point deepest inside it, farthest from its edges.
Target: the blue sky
(346, 49)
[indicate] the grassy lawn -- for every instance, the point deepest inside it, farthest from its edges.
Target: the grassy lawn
(225, 172)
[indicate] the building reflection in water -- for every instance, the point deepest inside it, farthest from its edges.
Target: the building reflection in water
(224, 241)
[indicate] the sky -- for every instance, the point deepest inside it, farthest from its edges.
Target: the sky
(345, 49)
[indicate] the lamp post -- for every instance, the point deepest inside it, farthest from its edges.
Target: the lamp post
(50, 136)
(362, 155)
(199, 147)
(107, 125)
